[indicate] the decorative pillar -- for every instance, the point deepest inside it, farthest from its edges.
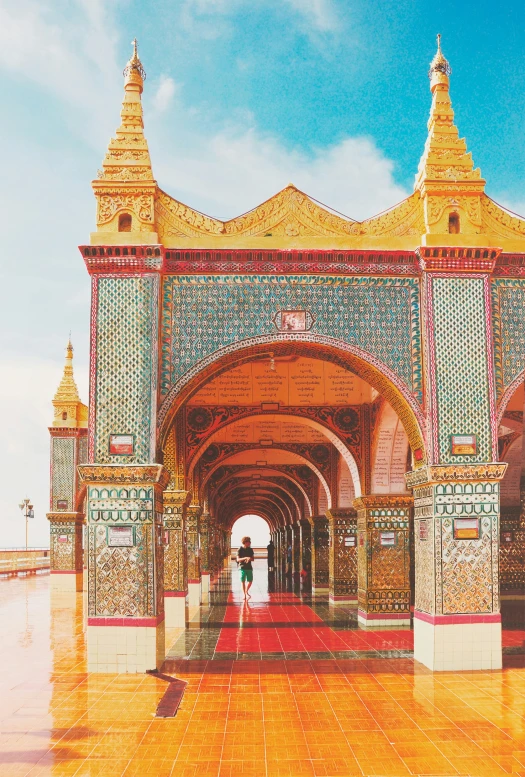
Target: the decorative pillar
(68, 450)
(306, 546)
(193, 515)
(204, 541)
(175, 567)
(320, 554)
(125, 624)
(296, 551)
(457, 623)
(383, 558)
(342, 555)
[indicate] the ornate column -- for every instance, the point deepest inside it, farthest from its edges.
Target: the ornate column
(457, 623)
(193, 514)
(175, 565)
(66, 556)
(320, 554)
(306, 546)
(125, 623)
(383, 558)
(296, 551)
(204, 541)
(342, 555)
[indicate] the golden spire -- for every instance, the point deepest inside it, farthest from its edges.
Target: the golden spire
(69, 410)
(446, 174)
(125, 188)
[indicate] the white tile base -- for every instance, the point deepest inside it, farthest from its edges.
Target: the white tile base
(66, 582)
(194, 594)
(390, 623)
(176, 611)
(205, 583)
(457, 646)
(125, 649)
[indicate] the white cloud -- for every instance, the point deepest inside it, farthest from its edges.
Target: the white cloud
(163, 97)
(320, 13)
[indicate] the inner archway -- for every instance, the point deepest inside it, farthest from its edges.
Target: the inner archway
(252, 526)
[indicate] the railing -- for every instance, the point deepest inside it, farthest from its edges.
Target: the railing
(15, 561)
(259, 552)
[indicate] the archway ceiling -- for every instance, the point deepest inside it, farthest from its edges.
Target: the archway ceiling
(270, 457)
(271, 492)
(251, 477)
(285, 491)
(348, 357)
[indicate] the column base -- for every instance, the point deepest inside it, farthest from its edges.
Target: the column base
(194, 593)
(390, 620)
(66, 581)
(342, 599)
(125, 645)
(320, 589)
(205, 583)
(451, 643)
(175, 609)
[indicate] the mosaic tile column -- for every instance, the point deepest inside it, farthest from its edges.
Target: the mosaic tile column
(193, 514)
(125, 623)
(66, 556)
(306, 548)
(456, 489)
(175, 569)
(296, 551)
(204, 541)
(383, 559)
(512, 553)
(320, 554)
(457, 623)
(342, 555)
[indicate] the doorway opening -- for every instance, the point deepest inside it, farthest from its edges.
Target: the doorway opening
(252, 526)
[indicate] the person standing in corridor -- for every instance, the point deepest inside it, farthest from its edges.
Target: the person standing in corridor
(245, 556)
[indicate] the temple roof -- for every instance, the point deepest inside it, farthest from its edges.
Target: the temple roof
(69, 410)
(448, 206)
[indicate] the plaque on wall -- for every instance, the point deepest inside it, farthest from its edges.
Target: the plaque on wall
(121, 444)
(387, 538)
(507, 536)
(63, 538)
(62, 504)
(466, 529)
(120, 536)
(350, 541)
(293, 320)
(423, 530)
(463, 444)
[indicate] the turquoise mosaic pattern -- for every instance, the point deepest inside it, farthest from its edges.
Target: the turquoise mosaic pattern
(126, 365)
(508, 306)
(63, 471)
(202, 314)
(462, 377)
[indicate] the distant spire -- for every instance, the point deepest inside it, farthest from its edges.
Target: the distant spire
(67, 399)
(134, 71)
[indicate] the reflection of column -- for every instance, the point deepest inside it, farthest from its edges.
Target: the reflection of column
(320, 542)
(306, 547)
(457, 623)
(193, 514)
(66, 557)
(175, 572)
(125, 626)
(343, 555)
(383, 524)
(204, 539)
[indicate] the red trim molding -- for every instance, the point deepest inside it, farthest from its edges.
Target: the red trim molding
(343, 598)
(195, 580)
(116, 621)
(169, 594)
(66, 572)
(451, 620)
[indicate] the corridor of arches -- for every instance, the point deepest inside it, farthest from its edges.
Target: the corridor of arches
(316, 444)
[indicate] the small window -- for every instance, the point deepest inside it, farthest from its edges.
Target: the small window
(64, 416)
(453, 223)
(124, 222)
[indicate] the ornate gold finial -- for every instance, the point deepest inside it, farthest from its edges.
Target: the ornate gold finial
(134, 63)
(439, 63)
(69, 410)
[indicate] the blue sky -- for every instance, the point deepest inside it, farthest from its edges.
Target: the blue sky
(241, 97)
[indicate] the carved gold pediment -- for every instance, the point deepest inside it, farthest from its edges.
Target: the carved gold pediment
(290, 213)
(498, 221)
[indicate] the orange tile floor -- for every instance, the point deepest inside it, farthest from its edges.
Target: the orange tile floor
(241, 717)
